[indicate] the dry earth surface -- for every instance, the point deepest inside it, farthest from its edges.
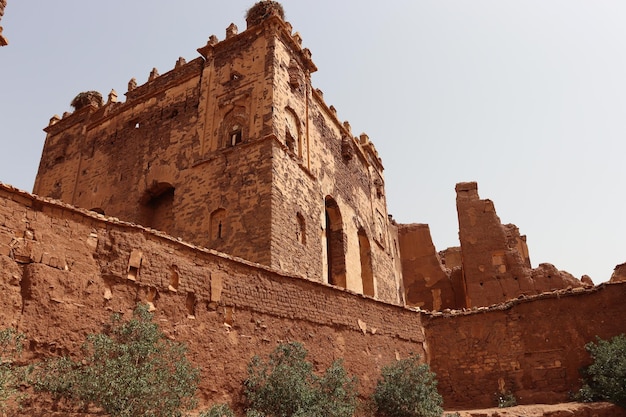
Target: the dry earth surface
(545, 410)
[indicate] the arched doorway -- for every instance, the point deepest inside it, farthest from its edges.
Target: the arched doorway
(335, 244)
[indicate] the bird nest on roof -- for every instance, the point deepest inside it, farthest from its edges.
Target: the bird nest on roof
(87, 98)
(262, 10)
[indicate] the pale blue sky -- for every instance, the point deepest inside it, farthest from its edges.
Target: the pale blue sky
(526, 97)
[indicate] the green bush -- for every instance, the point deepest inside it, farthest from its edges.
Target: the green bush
(506, 399)
(407, 389)
(10, 374)
(605, 378)
(285, 386)
(131, 369)
(218, 410)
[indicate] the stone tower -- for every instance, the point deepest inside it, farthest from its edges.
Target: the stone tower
(237, 152)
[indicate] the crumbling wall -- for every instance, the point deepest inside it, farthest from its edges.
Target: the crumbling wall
(496, 264)
(619, 273)
(531, 347)
(65, 270)
(426, 283)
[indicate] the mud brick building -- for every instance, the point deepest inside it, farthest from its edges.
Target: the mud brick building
(235, 151)
(227, 195)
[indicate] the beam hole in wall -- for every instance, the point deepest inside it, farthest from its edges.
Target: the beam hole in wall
(190, 305)
(151, 296)
(134, 264)
(174, 278)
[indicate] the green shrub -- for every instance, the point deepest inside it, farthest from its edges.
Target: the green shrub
(506, 399)
(286, 386)
(218, 410)
(407, 389)
(605, 378)
(131, 369)
(10, 375)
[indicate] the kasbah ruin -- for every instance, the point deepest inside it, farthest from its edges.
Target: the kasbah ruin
(227, 195)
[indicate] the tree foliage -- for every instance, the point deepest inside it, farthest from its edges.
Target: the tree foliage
(10, 374)
(131, 369)
(407, 389)
(605, 378)
(285, 386)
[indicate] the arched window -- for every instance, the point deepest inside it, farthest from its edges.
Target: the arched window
(218, 224)
(233, 130)
(335, 244)
(367, 274)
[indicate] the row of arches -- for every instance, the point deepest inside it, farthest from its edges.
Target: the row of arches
(157, 212)
(336, 250)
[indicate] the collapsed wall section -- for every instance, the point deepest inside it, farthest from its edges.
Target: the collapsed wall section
(496, 263)
(426, 283)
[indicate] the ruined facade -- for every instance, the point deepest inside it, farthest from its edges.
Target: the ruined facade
(228, 196)
(491, 265)
(237, 152)
(64, 270)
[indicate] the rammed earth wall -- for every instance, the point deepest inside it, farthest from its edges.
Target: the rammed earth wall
(63, 271)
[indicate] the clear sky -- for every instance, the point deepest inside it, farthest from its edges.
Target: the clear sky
(526, 97)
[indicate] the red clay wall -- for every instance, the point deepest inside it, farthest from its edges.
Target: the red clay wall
(534, 346)
(64, 271)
